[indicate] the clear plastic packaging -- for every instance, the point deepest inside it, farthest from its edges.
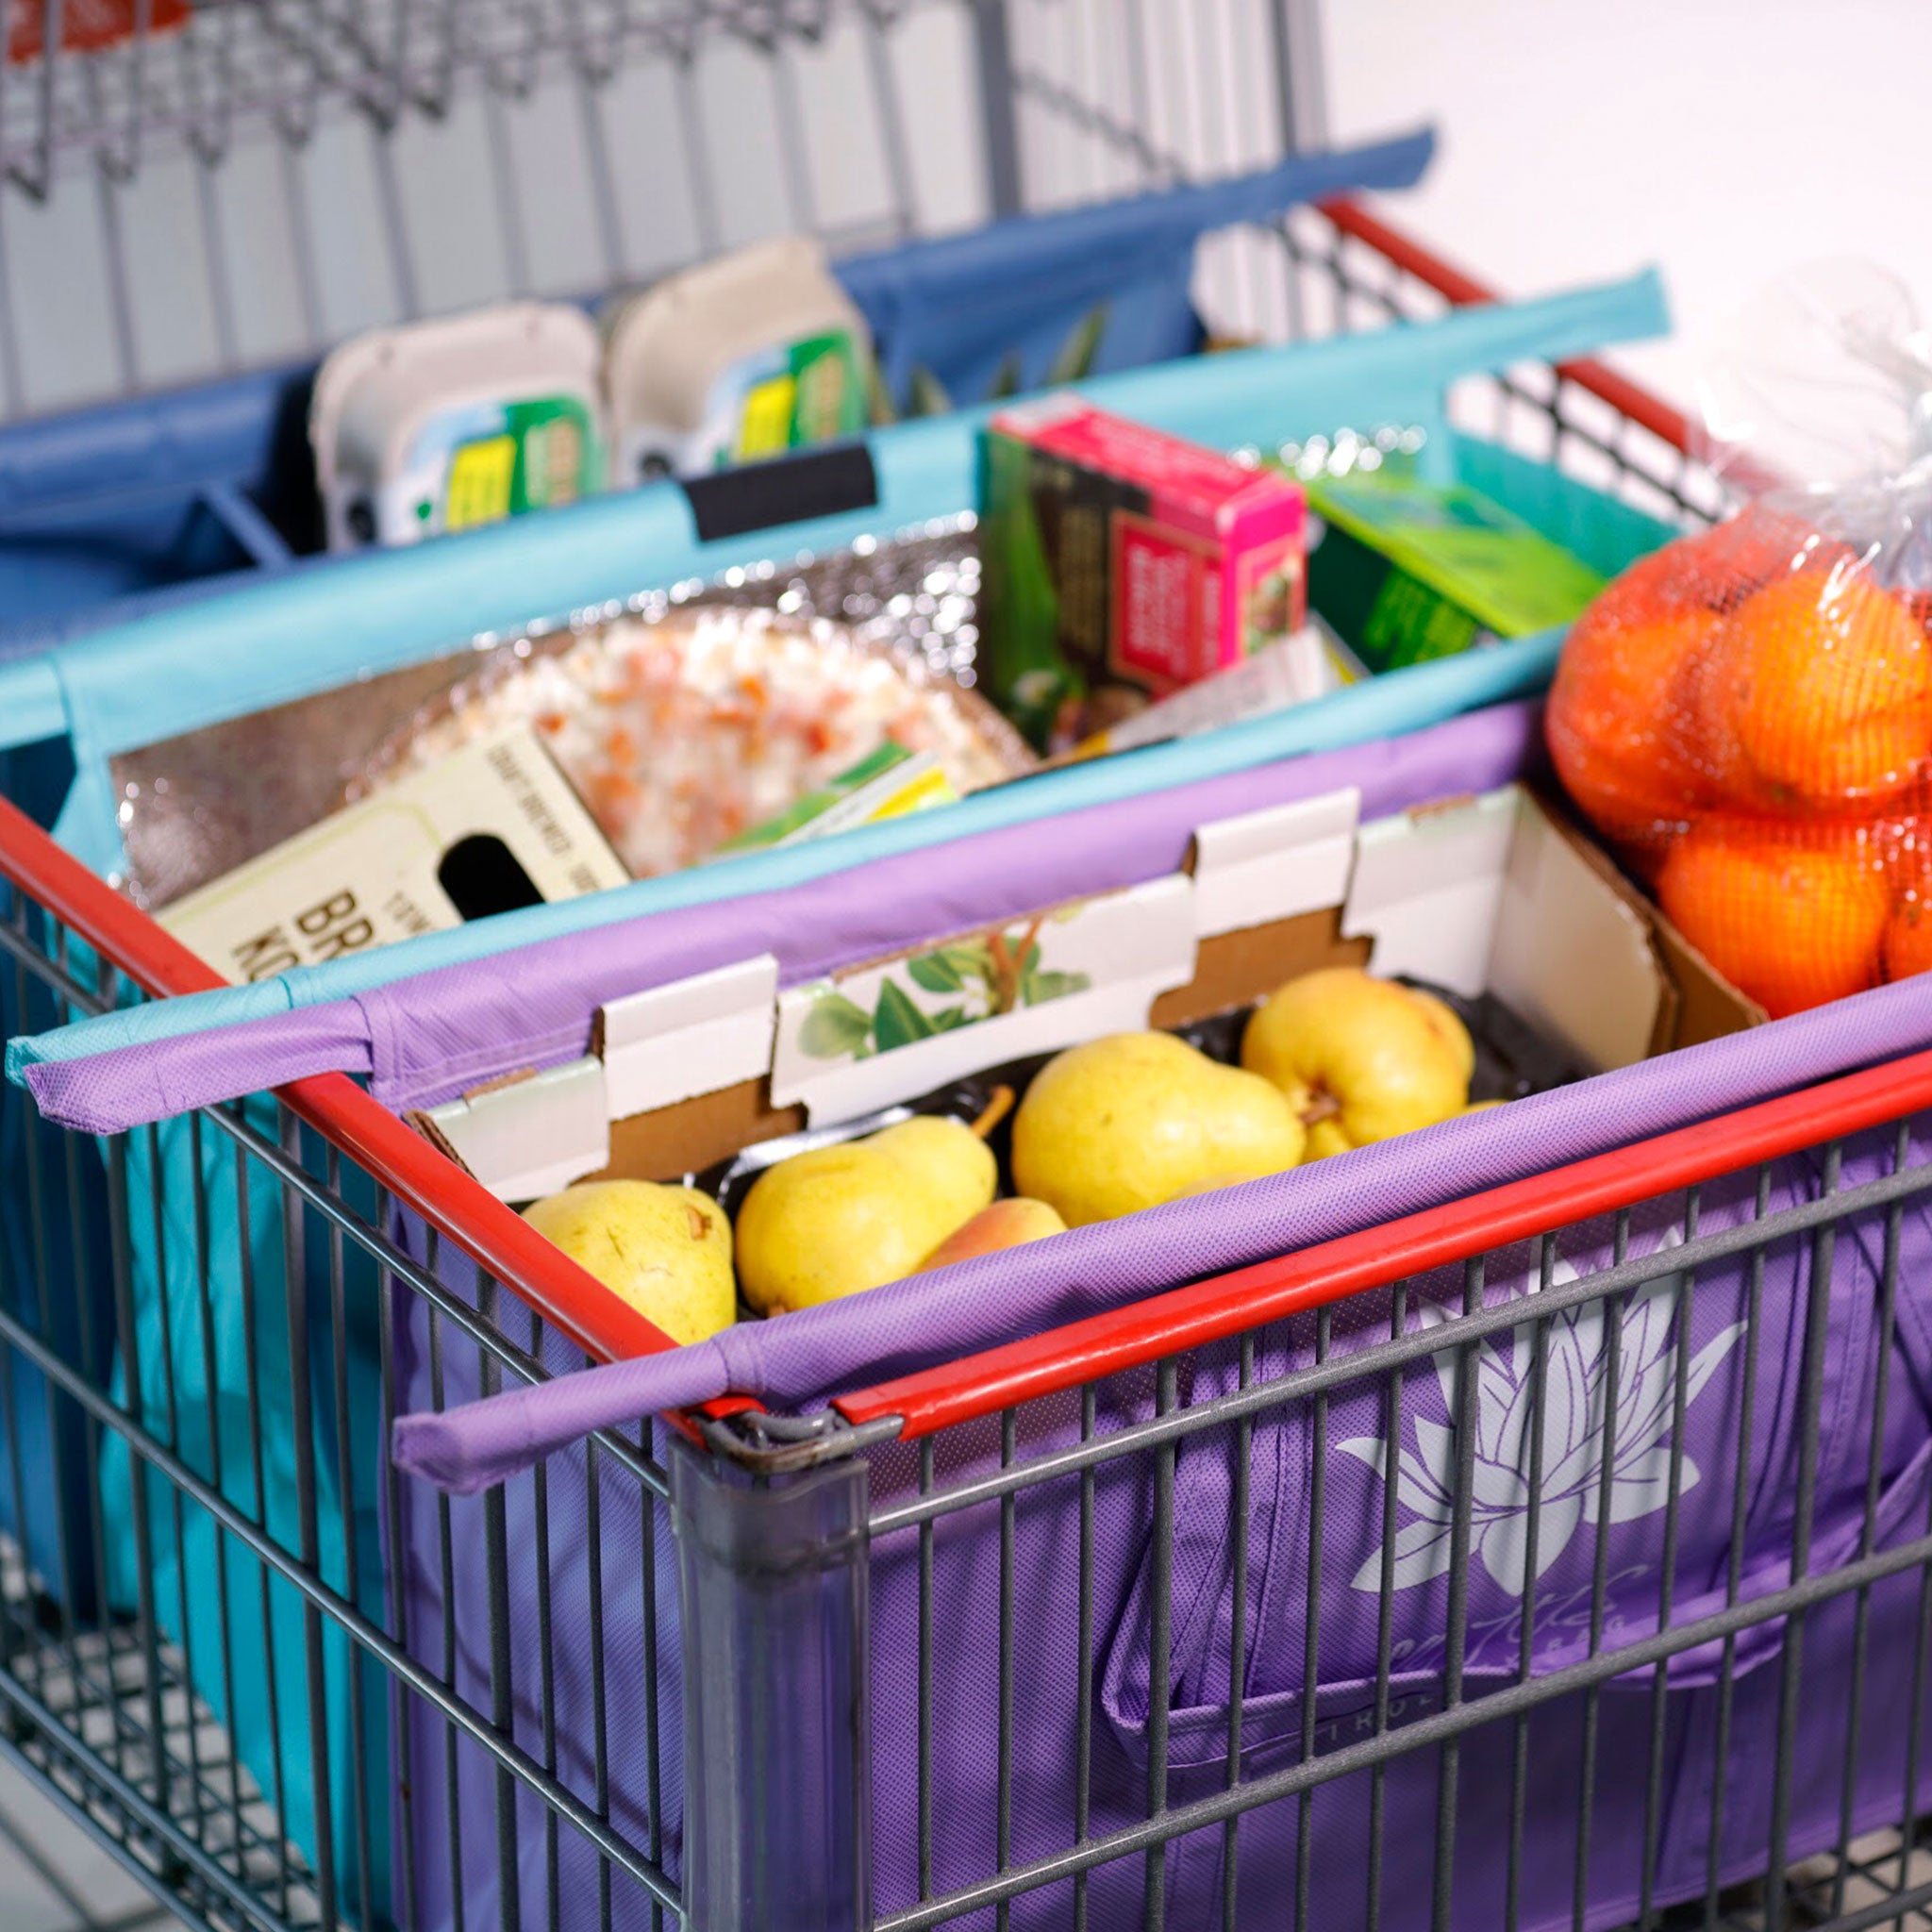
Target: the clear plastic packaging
(682, 732)
(1747, 714)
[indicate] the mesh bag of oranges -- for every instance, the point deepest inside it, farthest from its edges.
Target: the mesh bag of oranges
(1746, 714)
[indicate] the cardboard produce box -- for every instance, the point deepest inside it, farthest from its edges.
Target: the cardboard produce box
(1491, 898)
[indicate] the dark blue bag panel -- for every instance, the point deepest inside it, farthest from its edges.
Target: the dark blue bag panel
(106, 512)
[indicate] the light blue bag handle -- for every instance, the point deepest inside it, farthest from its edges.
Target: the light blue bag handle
(1423, 694)
(266, 643)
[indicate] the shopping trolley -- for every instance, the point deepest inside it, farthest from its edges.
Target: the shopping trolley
(1071, 1549)
(950, 1530)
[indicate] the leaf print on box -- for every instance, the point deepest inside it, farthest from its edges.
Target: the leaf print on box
(1580, 1399)
(996, 971)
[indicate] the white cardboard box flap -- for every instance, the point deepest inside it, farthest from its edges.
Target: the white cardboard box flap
(693, 1036)
(1428, 888)
(534, 1136)
(1275, 863)
(1570, 958)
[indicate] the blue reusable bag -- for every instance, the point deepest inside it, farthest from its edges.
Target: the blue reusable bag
(179, 670)
(109, 513)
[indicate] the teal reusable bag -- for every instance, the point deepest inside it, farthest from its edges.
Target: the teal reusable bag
(222, 1276)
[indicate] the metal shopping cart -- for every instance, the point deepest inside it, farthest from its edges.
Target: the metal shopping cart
(1106, 1543)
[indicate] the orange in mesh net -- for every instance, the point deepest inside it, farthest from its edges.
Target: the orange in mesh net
(1792, 916)
(1748, 715)
(1818, 694)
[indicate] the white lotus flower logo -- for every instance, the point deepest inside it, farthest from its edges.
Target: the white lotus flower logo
(1577, 1397)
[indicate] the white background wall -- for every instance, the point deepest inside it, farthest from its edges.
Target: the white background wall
(1724, 139)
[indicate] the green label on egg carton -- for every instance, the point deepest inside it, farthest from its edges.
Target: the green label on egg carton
(485, 462)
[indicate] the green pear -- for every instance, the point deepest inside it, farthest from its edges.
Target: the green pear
(834, 1221)
(1360, 1059)
(1137, 1119)
(665, 1249)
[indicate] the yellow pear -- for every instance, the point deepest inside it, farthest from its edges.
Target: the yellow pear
(1448, 1022)
(834, 1221)
(1362, 1057)
(1481, 1106)
(1010, 1224)
(1137, 1119)
(950, 1157)
(665, 1249)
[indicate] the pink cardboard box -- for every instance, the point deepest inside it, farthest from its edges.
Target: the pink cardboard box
(1120, 563)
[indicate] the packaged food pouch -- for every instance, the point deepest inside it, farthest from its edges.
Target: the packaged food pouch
(1747, 714)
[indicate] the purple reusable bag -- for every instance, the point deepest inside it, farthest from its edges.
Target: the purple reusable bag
(1297, 1464)
(554, 1593)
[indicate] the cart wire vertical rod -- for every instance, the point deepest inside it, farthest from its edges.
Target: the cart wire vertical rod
(1734, 1569)
(352, 1564)
(1811, 1386)
(922, 1768)
(892, 114)
(1385, 1606)
(1238, 1503)
(992, 34)
(1311, 1625)
(546, 1656)
(1868, 1527)
(1159, 1648)
(1083, 1657)
(1537, 1424)
(1605, 1423)
(1002, 1822)
(386, 1309)
(1448, 1789)
(295, 1310)
(171, 1409)
(446, 1595)
(654, 1787)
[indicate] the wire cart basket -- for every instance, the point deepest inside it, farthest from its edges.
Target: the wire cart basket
(1108, 1543)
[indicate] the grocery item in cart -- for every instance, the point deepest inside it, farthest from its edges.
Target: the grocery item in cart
(1306, 666)
(1121, 564)
(448, 424)
(488, 827)
(684, 732)
(664, 1250)
(1103, 1128)
(746, 356)
(881, 785)
(194, 807)
(1748, 713)
(1406, 570)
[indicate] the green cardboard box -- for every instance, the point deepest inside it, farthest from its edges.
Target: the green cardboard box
(1406, 570)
